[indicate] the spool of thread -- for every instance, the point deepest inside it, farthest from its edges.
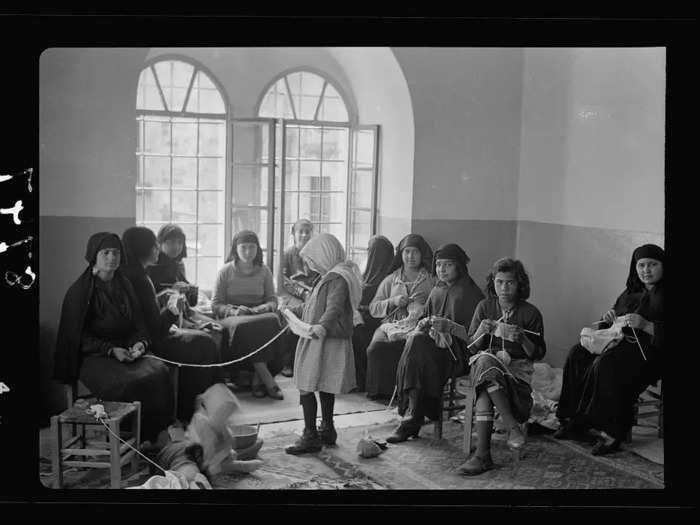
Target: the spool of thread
(503, 356)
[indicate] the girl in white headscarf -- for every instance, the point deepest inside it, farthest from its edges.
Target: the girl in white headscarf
(325, 363)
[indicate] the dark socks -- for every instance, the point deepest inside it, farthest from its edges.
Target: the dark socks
(310, 407)
(327, 402)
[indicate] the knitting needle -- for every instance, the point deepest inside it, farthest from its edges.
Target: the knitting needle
(391, 401)
(482, 335)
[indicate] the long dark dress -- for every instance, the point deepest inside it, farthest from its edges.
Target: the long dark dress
(599, 391)
(95, 317)
(424, 365)
(184, 346)
(166, 272)
(515, 377)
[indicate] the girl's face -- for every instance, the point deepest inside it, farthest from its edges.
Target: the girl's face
(411, 257)
(446, 270)
(172, 247)
(247, 251)
(302, 235)
(153, 256)
(108, 260)
(506, 286)
(310, 263)
(650, 271)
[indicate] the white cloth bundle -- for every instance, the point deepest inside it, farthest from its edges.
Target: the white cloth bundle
(598, 341)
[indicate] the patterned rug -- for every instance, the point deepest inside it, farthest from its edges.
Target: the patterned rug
(424, 463)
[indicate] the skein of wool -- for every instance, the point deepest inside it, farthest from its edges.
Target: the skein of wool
(503, 356)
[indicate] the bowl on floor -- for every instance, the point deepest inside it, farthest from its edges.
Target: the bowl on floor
(243, 436)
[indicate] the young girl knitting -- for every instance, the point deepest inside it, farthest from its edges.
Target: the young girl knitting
(325, 363)
(507, 332)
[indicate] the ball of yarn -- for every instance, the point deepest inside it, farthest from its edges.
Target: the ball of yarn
(503, 356)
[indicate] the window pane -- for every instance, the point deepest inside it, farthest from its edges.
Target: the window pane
(364, 149)
(310, 140)
(291, 208)
(147, 93)
(190, 231)
(335, 144)
(335, 176)
(185, 173)
(247, 185)
(184, 206)
(182, 73)
(211, 239)
(157, 205)
(210, 101)
(139, 206)
(334, 106)
(139, 171)
(212, 139)
(184, 138)
(211, 174)
(191, 268)
(338, 230)
(291, 176)
(211, 206)
(362, 189)
(337, 203)
(310, 175)
(292, 143)
(156, 172)
(311, 84)
(249, 219)
(307, 107)
(157, 135)
(360, 228)
(139, 135)
(208, 268)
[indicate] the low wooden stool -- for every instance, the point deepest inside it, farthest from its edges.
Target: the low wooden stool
(111, 453)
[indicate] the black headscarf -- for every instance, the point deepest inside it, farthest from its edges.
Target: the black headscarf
(138, 242)
(455, 253)
(416, 241)
(647, 251)
(173, 231)
(380, 253)
(102, 241)
(243, 237)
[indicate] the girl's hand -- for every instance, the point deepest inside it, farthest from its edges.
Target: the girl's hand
(137, 350)
(423, 324)
(318, 331)
(442, 325)
(512, 333)
(609, 316)
(400, 300)
(635, 321)
(122, 354)
(487, 326)
(243, 310)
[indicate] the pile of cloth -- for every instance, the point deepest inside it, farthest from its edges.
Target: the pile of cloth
(546, 389)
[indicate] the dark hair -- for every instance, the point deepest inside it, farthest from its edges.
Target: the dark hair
(173, 231)
(138, 242)
(515, 267)
(302, 222)
(243, 237)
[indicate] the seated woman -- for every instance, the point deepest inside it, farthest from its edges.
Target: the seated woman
(508, 334)
(437, 347)
(244, 300)
(325, 362)
(294, 283)
(184, 345)
(380, 255)
(102, 338)
(399, 300)
(599, 391)
(169, 268)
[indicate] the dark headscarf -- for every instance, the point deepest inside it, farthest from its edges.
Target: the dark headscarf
(102, 241)
(647, 251)
(173, 231)
(138, 242)
(416, 241)
(455, 253)
(380, 253)
(68, 357)
(243, 237)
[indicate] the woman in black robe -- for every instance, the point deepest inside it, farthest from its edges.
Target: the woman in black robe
(599, 391)
(437, 348)
(380, 254)
(170, 267)
(183, 345)
(102, 339)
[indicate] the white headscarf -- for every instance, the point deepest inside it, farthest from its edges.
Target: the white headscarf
(326, 255)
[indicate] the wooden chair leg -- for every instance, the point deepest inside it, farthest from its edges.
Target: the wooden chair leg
(57, 445)
(136, 432)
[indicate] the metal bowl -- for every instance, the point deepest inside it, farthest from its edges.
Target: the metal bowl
(244, 436)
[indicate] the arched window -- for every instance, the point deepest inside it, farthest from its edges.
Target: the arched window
(181, 157)
(329, 169)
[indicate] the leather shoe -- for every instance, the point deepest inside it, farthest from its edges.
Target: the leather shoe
(309, 442)
(476, 465)
(404, 431)
(287, 371)
(602, 447)
(327, 434)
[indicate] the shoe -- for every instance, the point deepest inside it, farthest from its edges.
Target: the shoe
(572, 432)
(602, 447)
(309, 442)
(327, 434)
(404, 431)
(476, 465)
(287, 371)
(275, 392)
(516, 438)
(259, 390)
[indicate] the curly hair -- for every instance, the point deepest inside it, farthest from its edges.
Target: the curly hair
(240, 238)
(514, 266)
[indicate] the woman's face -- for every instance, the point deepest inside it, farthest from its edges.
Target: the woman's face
(446, 270)
(172, 247)
(247, 251)
(302, 234)
(108, 260)
(506, 286)
(311, 264)
(411, 257)
(153, 256)
(649, 271)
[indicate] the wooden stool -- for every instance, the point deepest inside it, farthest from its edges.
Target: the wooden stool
(449, 404)
(95, 454)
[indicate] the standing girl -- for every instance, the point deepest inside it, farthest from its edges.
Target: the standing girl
(325, 363)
